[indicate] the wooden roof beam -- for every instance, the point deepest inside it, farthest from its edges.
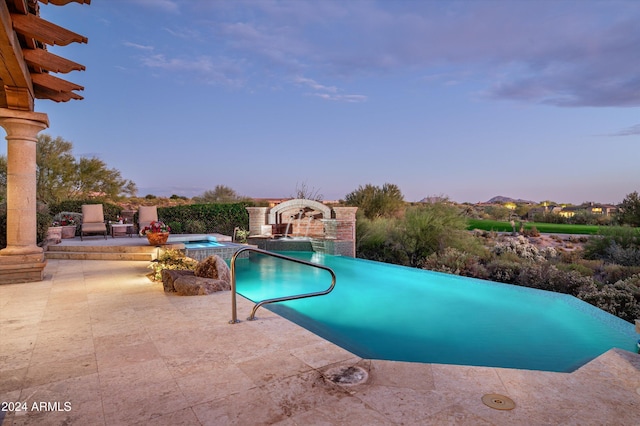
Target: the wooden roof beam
(35, 27)
(54, 83)
(48, 61)
(63, 2)
(14, 72)
(46, 93)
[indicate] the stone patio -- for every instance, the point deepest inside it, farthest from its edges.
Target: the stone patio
(99, 344)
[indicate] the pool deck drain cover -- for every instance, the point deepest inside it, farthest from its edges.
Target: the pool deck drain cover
(498, 402)
(347, 375)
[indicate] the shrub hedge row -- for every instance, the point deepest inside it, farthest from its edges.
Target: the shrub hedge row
(205, 218)
(111, 211)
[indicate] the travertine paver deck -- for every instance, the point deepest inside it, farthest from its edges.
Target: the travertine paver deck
(103, 345)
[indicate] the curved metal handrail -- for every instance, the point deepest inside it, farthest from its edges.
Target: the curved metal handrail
(234, 314)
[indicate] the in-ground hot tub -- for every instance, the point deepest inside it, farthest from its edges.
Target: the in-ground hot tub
(201, 246)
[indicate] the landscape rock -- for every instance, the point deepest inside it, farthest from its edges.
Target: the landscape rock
(211, 275)
(169, 276)
(213, 267)
(190, 285)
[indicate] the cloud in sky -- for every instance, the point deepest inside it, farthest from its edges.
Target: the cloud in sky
(138, 46)
(329, 93)
(558, 53)
(630, 131)
(566, 54)
(164, 5)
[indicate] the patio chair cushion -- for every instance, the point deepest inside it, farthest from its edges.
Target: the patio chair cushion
(94, 227)
(146, 215)
(92, 213)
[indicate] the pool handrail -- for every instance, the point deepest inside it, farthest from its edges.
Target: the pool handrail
(234, 314)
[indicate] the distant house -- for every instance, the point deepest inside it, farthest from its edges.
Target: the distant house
(546, 209)
(590, 208)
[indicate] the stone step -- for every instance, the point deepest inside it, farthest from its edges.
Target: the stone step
(97, 255)
(141, 252)
(101, 249)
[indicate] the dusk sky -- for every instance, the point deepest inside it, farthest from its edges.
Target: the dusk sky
(537, 100)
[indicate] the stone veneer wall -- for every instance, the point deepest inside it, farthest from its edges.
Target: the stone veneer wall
(340, 248)
(346, 230)
(338, 232)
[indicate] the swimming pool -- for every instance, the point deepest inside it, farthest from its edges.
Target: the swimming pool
(383, 311)
(202, 244)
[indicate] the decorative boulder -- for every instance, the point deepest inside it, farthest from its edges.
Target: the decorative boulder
(211, 275)
(190, 285)
(169, 276)
(213, 267)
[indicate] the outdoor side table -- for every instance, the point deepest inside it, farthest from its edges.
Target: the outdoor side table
(121, 229)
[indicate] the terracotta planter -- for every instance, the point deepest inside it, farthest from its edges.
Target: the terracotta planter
(158, 238)
(54, 233)
(68, 231)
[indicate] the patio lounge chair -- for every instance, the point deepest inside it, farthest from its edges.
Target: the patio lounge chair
(93, 220)
(146, 215)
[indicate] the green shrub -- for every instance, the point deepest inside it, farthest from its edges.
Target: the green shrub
(626, 256)
(504, 270)
(609, 273)
(195, 227)
(171, 259)
(43, 221)
(621, 299)
(176, 227)
(111, 211)
(373, 241)
(521, 247)
(583, 270)
(454, 261)
(221, 218)
(545, 276)
(613, 242)
(241, 235)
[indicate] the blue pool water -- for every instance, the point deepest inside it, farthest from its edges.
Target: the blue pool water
(383, 311)
(201, 244)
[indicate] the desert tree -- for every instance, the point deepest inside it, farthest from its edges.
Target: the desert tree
(220, 194)
(60, 176)
(375, 202)
(629, 210)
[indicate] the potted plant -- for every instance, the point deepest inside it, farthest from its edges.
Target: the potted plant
(68, 224)
(54, 232)
(157, 233)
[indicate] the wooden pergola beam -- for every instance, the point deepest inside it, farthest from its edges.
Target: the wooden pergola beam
(54, 83)
(14, 72)
(32, 26)
(53, 95)
(63, 2)
(48, 61)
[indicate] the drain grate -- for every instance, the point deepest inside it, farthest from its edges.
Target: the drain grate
(347, 375)
(498, 402)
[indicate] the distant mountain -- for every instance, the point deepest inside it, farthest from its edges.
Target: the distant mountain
(501, 199)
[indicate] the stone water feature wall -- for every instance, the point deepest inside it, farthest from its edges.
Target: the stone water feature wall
(304, 225)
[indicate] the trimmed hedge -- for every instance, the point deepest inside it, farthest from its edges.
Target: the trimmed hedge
(111, 211)
(204, 218)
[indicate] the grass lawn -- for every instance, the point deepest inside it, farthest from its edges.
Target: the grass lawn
(548, 228)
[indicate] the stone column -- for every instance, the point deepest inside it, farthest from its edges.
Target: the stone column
(346, 220)
(22, 260)
(257, 218)
(346, 217)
